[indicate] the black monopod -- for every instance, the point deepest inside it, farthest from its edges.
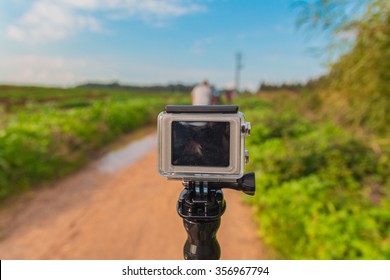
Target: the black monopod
(201, 205)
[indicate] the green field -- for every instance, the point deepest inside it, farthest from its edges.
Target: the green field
(46, 133)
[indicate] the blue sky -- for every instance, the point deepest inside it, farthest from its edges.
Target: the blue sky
(67, 42)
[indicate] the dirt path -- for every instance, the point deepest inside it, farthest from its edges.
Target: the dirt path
(125, 214)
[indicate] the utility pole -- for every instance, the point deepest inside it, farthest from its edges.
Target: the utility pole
(238, 69)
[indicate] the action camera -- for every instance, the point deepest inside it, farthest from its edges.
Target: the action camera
(202, 143)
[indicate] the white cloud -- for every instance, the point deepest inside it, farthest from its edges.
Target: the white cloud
(47, 21)
(58, 19)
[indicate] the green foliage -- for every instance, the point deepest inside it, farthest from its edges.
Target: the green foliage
(41, 142)
(359, 80)
(364, 72)
(322, 193)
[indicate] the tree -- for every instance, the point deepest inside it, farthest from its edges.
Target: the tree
(361, 75)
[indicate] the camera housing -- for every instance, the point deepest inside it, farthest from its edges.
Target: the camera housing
(202, 143)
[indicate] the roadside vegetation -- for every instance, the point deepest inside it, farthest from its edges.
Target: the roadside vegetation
(322, 192)
(45, 133)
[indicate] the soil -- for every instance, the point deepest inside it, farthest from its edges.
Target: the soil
(126, 214)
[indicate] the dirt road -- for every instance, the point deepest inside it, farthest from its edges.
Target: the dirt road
(125, 213)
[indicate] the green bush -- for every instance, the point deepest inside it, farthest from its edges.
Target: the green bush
(48, 143)
(322, 193)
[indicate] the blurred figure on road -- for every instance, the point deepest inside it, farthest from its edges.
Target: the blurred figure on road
(202, 94)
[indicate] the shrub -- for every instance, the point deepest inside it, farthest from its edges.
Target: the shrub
(322, 193)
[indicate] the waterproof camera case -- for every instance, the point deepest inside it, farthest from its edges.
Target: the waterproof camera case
(202, 143)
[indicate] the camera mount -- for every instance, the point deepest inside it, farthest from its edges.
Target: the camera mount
(201, 205)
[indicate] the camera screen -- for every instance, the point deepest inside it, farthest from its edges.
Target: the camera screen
(200, 143)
